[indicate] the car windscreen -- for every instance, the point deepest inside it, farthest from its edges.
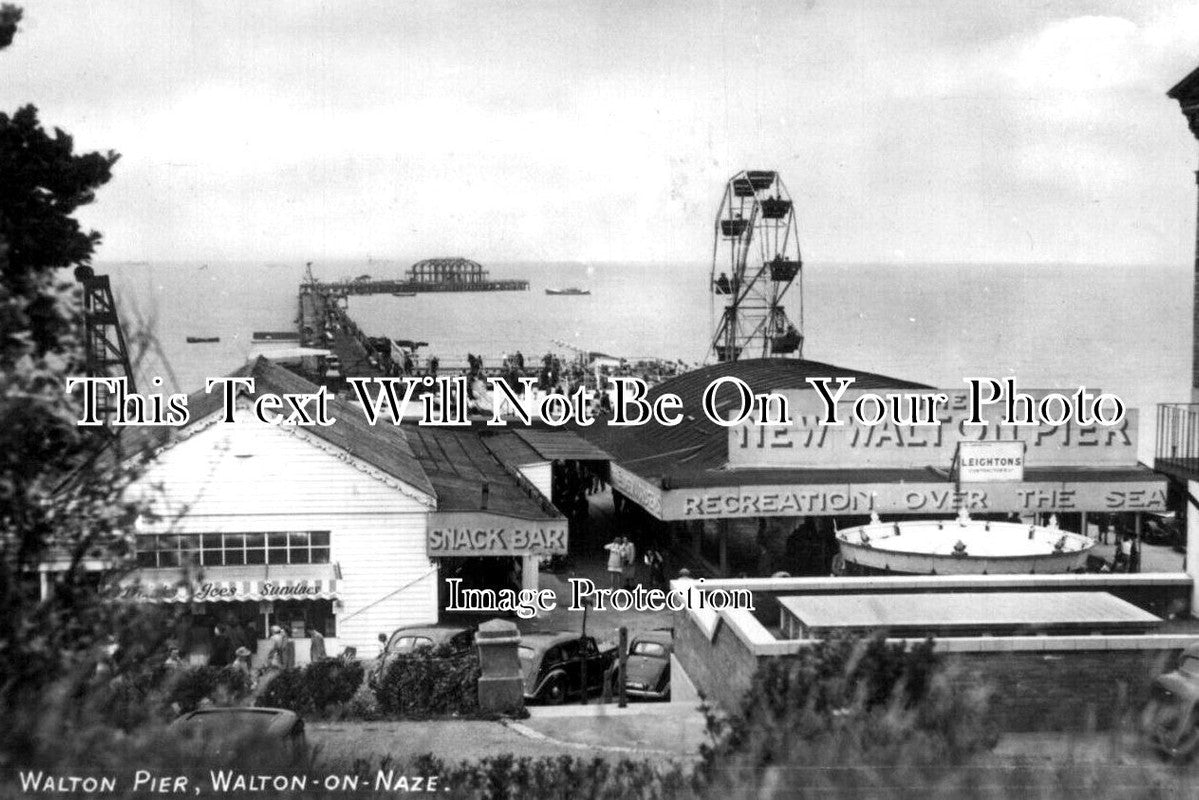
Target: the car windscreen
(409, 644)
(652, 649)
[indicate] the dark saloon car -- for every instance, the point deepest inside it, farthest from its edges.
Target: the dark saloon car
(1171, 719)
(226, 733)
(647, 671)
(554, 665)
(1165, 529)
(412, 639)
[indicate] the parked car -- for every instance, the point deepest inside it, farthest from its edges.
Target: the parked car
(411, 639)
(1171, 720)
(647, 670)
(222, 733)
(554, 663)
(1164, 529)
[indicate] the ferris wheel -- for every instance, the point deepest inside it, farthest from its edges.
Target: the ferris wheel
(755, 260)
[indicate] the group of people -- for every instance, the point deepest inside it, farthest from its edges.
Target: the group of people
(622, 564)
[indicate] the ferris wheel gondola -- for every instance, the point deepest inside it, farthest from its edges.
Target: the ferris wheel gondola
(755, 262)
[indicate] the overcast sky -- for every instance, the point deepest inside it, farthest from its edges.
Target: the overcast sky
(603, 131)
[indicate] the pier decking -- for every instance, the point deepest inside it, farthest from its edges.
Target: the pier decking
(398, 286)
(324, 323)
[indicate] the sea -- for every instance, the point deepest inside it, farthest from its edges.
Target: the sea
(1120, 329)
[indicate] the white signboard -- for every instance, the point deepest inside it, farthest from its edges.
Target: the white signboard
(989, 462)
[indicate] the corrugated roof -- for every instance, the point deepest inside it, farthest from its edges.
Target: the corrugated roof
(459, 463)
(557, 445)
(697, 444)
(382, 446)
(965, 609)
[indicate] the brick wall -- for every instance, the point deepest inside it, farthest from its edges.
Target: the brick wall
(721, 669)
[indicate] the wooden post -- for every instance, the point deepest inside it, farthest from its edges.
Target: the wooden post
(624, 665)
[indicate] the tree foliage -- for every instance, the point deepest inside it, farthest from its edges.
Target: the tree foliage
(60, 485)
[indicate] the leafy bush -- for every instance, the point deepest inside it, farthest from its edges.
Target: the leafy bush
(188, 687)
(332, 681)
(430, 683)
(841, 704)
(285, 689)
(313, 688)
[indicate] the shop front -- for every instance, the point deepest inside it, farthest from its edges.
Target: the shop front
(775, 497)
(245, 607)
(486, 550)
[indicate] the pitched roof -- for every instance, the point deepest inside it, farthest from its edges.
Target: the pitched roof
(697, 444)
(1187, 88)
(459, 461)
(383, 446)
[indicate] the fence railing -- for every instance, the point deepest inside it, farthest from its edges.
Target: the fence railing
(1178, 435)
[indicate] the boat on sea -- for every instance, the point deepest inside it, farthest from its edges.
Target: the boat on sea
(202, 339)
(571, 291)
(403, 294)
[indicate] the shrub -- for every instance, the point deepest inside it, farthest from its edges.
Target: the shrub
(313, 688)
(842, 704)
(332, 681)
(430, 683)
(285, 689)
(186, 688)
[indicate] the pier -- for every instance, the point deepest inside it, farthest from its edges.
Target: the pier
(325, 324)
(430, 275)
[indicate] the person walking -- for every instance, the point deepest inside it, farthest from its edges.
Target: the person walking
(222, 647)
(316, 650)
(657, 567)
(629, 563)
(615, 550)
(276, 656)
(1120, 563)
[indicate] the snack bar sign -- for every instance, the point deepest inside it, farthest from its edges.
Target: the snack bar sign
(466, 534)
(990, 462)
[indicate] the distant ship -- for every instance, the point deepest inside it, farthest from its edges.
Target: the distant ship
(403, 294)
(202, 339)
(571, 291)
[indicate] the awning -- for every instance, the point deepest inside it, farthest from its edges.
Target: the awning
(228, 591)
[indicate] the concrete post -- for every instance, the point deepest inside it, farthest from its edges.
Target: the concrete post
(530, 575)
(501, 685)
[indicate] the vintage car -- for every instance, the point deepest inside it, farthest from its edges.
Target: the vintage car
(1171, 719)
(554, 666)
(227, 733)
(647, 670)
(1165, 529)
(409, 640)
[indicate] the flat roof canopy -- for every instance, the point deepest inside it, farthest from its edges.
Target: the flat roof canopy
(983, 611)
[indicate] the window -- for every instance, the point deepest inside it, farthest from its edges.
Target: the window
(653, 649)
(232, 549)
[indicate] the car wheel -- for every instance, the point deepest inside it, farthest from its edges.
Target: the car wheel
(554, 692)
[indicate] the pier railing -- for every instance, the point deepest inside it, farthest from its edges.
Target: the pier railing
(1177, 450)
